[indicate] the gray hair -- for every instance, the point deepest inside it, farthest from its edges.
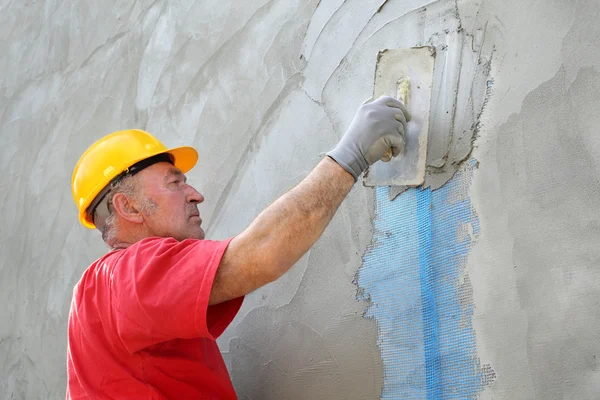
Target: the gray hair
(105, 217)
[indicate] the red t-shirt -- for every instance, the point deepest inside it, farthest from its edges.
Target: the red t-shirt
(140, 326)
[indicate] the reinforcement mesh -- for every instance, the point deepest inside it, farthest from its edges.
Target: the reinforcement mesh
(413, 274)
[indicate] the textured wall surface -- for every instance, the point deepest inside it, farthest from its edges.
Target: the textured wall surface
(262, 89)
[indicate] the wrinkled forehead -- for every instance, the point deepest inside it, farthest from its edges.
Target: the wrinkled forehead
(160, 173)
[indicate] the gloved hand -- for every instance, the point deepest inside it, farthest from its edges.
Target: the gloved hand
(376, 127)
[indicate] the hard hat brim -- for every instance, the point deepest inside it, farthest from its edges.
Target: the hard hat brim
(185, 157)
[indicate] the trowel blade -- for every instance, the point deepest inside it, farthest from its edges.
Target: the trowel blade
(416, 63)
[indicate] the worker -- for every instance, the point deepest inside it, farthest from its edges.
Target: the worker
(144, 318)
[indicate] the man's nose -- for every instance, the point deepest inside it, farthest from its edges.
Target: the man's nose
(194, 196)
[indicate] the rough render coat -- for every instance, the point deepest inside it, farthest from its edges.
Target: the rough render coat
(262, 89)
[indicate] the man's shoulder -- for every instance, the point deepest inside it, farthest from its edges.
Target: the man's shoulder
(162, 245)
(99, 266)
(147, 252)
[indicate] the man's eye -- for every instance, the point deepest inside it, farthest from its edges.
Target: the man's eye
(176, 181)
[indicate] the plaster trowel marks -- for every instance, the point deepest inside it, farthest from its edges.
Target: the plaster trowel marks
(413, 274)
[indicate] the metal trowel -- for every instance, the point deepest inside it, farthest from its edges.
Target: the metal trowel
(407, 75)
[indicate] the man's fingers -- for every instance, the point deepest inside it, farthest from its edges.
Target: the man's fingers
(400, 117)
(396, 151)
(396, 142)
(401, 130)
(394, 103)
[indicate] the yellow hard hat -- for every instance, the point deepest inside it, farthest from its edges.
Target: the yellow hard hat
(112, 156)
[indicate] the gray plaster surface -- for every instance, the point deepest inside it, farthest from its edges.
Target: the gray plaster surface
(263, 89)
(535, 270)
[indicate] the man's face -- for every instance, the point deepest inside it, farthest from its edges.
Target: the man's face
(173, 209)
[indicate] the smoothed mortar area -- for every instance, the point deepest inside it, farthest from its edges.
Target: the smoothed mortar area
(484, 284)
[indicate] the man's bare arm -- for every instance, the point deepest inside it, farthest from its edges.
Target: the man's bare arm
(288, 228)
(282, 233)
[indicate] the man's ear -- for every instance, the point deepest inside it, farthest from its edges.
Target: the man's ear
(126, 208)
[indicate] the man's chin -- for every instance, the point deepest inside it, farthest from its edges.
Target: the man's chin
(198, 234)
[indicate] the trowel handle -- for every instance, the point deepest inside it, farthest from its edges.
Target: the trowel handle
(402, 94)
(387, 156)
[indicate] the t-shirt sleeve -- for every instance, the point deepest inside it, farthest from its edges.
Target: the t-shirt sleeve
(161, 288)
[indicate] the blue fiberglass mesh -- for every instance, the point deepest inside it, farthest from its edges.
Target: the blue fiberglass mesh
(413, 275)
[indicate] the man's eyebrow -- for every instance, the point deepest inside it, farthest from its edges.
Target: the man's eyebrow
(174, 172)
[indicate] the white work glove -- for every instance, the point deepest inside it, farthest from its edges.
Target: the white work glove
(376, 127)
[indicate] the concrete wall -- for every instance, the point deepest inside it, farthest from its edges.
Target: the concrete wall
(263, 89)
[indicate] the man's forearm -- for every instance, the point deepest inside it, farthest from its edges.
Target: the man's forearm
(284, 231)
